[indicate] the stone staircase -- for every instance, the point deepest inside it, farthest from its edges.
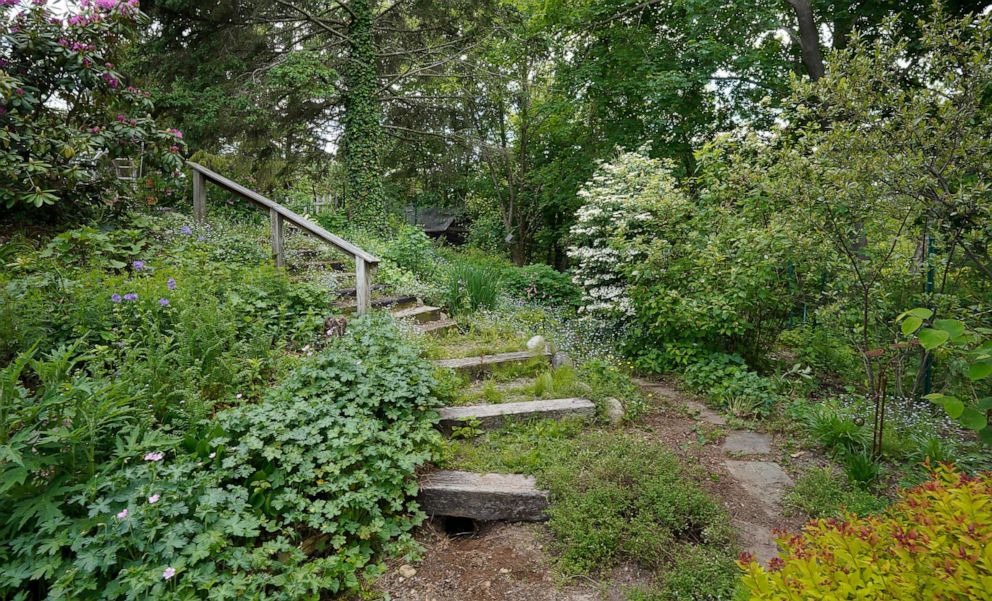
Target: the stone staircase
(489, 497)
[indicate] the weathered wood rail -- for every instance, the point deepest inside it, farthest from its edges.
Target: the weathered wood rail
(365, 263)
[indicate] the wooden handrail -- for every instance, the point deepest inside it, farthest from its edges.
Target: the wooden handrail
(365, 263)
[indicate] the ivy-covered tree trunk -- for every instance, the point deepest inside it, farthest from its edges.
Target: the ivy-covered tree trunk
(362, 126)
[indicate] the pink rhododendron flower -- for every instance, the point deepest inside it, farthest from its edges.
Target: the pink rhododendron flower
(154, 499)
(122, 514)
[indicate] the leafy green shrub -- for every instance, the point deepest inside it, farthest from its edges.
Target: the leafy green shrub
(62, 152)
(822, 492)
(295, 497)
(933, 544)
(623, 499)
(471, 288)
(412, 250)
(542, 283)
(820, 349)
(333, 221)
(699, 573)
(724, 377)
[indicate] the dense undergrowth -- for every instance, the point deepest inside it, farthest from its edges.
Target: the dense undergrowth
(174, 425)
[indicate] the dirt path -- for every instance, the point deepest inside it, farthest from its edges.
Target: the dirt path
(741, 472)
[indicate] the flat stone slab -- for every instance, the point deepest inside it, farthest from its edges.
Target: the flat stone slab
(435, 327)
(757, 540)
(481, 363)
(747, 443)
(706, 414)
(493, 416)
(484, 497)
(420, 314)
(764, 480)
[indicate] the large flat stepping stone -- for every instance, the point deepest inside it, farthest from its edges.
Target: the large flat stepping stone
(477, 365)
(493, 416)
(747, 443)
(763, 480)
(705, 414)
(420, 314)
(483, 497)
(435, 327)
(757, 540)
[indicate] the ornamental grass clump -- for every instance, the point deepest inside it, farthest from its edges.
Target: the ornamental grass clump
(935, 543)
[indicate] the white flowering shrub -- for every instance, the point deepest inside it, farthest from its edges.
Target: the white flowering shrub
(628, 204)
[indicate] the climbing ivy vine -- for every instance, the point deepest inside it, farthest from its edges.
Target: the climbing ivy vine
(362, 126)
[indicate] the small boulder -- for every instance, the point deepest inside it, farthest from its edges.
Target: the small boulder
(536, 343)
(560, 359)
(614, 411)
(407, 571)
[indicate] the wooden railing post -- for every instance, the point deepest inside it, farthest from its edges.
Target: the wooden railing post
(199, 196)
(278, 231)
(363, 287)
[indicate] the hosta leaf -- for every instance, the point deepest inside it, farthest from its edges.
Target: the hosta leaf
(931, 338)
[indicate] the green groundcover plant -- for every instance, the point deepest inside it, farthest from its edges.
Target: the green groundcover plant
(294, 497)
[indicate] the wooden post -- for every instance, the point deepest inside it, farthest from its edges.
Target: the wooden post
(276, 225)
(199, 196)
(363, 286)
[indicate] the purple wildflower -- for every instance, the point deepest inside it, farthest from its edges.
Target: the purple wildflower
(138, 265)
(186, 230)
(171, 284)
(164, 302)
(131, 296)
(155, 456)
(115, 298)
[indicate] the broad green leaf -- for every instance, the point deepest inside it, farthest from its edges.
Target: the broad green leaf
(973, 419)
(979, 371)
(986, 436)
(984, 404)
(953, 327)
(935, 397)
(918, 312)
(954, 407)
(911, 324)
(931, 339)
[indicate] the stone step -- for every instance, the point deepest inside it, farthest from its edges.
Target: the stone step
(421, 314)
(382, 302)
(352, 292)
(495, 415)
(435, 327)
(483, 497)
(479, 365)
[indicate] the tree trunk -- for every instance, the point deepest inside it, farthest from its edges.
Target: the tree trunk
(809, 38)
(362, 126)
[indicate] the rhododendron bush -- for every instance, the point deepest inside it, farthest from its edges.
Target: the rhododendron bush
(936, 543)
(66, 113)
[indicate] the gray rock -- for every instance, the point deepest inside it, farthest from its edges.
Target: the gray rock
(537, 343)
(560, 358)
(614, 411)
(407, 571)
(747, 443)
